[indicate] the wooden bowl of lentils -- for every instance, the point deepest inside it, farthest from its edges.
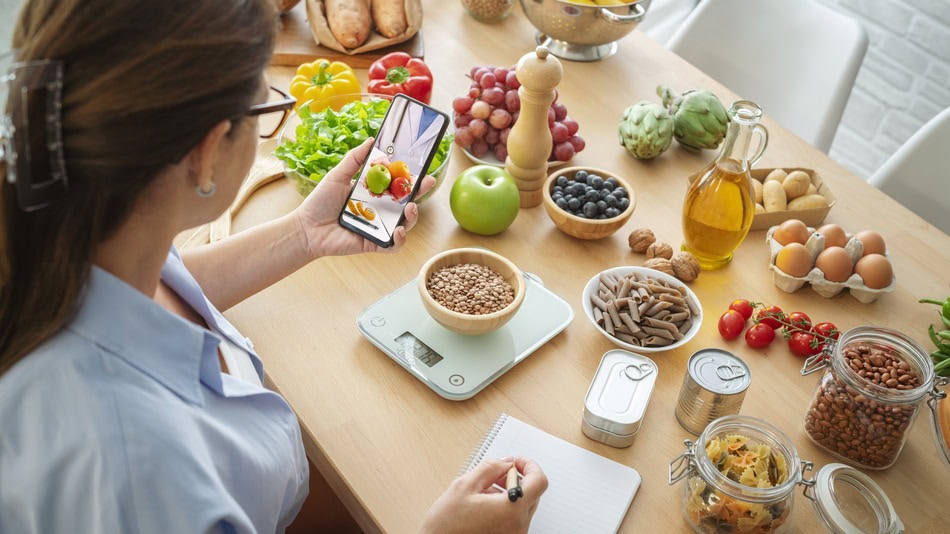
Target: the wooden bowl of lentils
(471, 291)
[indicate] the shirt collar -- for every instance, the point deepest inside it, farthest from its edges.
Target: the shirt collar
(133, 327)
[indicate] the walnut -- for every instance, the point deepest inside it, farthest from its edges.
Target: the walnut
(640, 239)
(660, 249)
(685, 266)
(660, 264)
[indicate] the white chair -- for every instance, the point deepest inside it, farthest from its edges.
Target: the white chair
(664, 17)
(918, 174)
(796, 59)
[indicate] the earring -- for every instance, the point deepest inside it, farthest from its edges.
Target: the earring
(205, 194)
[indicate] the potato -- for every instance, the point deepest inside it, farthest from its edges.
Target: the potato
(349, 21)
(390, 17)
(773, 196)
(777, 175)
(796, 184)
(808, 202)
(812, 190)
(759, 208)
(757, 190)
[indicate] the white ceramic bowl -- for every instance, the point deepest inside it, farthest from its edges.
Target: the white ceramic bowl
(592, 286)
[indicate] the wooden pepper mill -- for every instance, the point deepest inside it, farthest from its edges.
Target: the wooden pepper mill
(529, 142)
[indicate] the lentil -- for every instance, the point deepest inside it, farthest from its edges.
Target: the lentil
(470, 288)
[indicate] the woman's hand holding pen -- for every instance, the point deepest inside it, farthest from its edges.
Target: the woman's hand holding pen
(473, 502)
(319, 212)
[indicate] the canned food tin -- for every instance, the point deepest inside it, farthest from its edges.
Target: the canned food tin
(715, 384)
(618, 396)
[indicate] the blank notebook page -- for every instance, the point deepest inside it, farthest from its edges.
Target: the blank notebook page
(586, 492)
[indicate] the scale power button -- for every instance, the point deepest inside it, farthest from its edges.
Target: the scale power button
(456, 380)
(377, 321)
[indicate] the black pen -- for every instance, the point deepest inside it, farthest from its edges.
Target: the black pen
(513, 485)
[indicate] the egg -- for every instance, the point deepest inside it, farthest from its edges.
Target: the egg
(835, 264)
(872, 241)
(834, 235)
(791, 231)
(875, 270)
(794, 260)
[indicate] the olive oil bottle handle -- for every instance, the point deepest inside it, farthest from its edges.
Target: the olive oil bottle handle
(763, 135)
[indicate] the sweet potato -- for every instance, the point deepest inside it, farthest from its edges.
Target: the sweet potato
(390, 17)
(349, 21)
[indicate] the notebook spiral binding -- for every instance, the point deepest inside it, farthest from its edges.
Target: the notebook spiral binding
(478, 454)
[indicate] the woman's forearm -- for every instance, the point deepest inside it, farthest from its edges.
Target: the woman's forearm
(235, 268)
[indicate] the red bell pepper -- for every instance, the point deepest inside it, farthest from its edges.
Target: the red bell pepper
(398, 72)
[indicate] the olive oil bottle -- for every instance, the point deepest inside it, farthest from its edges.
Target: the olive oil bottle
(719, 205)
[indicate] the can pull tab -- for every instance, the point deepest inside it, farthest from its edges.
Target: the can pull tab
(730, 372)
(682, 464)
(638, 372)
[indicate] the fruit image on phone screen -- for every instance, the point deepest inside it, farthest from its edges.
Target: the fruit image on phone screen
(405, 145)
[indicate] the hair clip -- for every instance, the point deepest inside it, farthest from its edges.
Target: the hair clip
(31, 140)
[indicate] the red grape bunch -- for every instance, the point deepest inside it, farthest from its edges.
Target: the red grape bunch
(484, 116)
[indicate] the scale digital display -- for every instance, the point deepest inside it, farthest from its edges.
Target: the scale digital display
(415, 348)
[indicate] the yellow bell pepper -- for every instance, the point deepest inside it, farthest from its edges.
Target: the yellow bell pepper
(321, 80)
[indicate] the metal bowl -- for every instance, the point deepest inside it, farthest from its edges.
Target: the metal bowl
(580, 32)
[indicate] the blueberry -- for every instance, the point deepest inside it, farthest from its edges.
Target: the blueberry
(562, 181)
(601, 216)
(612, 201)
(557, 189)
(579, 213)
(612, 181)
(601, 206)
(578, 189)
(624, 203)
(608, 185)
(590, 210)
(591, 196)
(604, 194)
(619, 192)
(611, 212)
(581, 176)
(574, 204)
(561, 203)
(595, 181)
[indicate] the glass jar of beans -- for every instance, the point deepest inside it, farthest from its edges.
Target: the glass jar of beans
(868, 397)
(488, 10)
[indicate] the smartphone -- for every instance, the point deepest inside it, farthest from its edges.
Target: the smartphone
(390, 177)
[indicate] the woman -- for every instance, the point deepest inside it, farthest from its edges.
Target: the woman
(128, 403)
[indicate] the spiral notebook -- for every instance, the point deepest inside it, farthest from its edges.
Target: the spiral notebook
(586, 492)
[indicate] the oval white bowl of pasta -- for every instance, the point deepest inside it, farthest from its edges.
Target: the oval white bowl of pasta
(642, 310)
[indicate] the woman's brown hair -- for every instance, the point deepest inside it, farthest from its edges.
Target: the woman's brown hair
(143, 82)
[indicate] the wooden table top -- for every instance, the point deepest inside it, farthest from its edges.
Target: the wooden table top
(389, 445)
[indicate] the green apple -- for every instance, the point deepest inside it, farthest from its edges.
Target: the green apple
(485, 199)
(378, 179)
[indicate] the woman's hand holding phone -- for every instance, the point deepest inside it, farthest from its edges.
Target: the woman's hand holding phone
(319, 213)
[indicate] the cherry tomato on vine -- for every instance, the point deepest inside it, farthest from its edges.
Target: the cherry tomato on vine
(731, 324)
(804, 344)
(759, 336)
(826, 330)
(799, 320)
(771, 316)
(743, 307)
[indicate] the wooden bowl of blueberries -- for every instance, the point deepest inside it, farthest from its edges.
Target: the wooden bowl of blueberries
(588, 203)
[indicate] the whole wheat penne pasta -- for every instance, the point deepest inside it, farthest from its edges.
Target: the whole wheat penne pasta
(628, 322)
(641, 335)
(608, 324)
(657, 332)
(685, 326)
(598, 316)
(657, 306)
(624, 288)
(634, 310)
(629, 339)
(621, 329)
(612, 310)
(608, 280)
(623, 303)
(666, 297)
(676, 317)
(692, 306)
(656, 323)
(598, 302)
(644, 306)
(660, 314)
(676, 308)
(657, 288)
(655, 341)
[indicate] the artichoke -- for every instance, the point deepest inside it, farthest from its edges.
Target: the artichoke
(699, 118)
(646, 130)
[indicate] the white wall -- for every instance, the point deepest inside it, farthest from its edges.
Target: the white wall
(903, 82)
(8, 13)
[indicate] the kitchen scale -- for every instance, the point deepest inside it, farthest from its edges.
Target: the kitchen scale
(453, 365)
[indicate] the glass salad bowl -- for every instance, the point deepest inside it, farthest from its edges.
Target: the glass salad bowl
(318, 134)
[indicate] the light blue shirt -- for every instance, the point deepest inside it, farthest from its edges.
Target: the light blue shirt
(124, 422)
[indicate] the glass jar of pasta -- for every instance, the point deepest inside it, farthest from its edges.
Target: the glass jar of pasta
(741, 475)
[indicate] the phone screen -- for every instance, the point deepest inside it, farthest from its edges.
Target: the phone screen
(405, 144)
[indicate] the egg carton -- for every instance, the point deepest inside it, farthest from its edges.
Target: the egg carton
(826, 288)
